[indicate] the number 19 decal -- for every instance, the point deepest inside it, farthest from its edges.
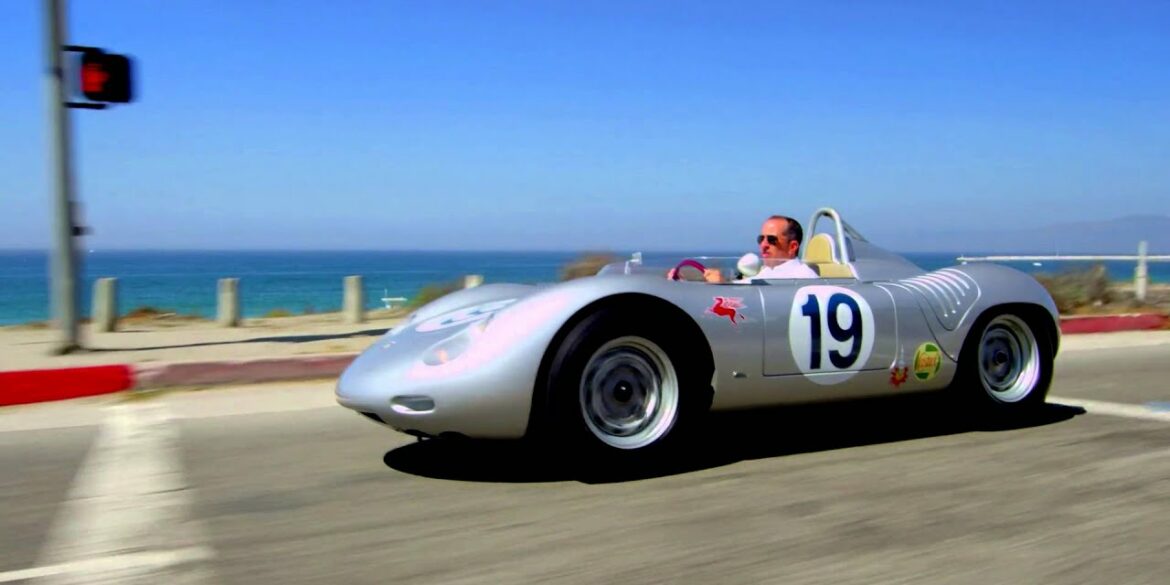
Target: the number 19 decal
(830, 331)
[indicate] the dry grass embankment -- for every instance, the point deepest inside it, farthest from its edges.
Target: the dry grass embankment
(586, 265)
(1089, 291)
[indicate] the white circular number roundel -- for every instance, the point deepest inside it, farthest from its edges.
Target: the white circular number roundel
(830, 332)
(462, 316)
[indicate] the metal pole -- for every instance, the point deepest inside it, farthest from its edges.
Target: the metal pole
(1141, 276)
(65, 298)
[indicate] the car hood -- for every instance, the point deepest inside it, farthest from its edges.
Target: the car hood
(470, 297)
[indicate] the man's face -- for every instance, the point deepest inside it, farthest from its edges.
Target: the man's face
(774, 245)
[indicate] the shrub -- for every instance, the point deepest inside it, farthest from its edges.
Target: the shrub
(146, 312)
(587, 265)
(1075, 289)
(433, 291)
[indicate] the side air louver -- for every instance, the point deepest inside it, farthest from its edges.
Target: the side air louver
(948, 292)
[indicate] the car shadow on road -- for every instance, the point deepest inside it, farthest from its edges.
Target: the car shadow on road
(728, 438)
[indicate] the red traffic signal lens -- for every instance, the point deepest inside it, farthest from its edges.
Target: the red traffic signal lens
(105, 77)
(93, 78)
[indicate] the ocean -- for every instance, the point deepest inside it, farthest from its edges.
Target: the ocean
(299, 282)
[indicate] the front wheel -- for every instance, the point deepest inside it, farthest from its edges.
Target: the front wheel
(629, 393)
(1005, 366)
(627, 381)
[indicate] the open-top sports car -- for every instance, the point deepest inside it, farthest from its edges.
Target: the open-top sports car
(630, 360)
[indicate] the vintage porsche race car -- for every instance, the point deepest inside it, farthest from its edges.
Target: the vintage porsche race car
(628, 360)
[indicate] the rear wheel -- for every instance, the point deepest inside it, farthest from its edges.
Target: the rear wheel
(627, 381)
(1005, 367)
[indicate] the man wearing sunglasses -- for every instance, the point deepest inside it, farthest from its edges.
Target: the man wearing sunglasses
(779, 243)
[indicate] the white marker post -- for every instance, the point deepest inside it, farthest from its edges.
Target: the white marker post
(353, 300)
(1141, 276)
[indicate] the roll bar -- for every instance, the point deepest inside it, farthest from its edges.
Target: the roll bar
(843, 230)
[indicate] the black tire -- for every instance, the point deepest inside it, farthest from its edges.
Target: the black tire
(613, 348)
(1005, 367)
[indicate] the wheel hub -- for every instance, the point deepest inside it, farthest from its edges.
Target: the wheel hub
(1008, 359)
(623, 393)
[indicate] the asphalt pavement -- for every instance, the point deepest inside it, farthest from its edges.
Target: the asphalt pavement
(276, 484)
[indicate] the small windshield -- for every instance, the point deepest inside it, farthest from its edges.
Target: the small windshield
(662, 263)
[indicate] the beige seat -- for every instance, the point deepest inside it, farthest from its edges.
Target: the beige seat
(821, 255)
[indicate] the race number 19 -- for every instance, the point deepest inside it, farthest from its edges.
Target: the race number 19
(851, 334)
(830, 330)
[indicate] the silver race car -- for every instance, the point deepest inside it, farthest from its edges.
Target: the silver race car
(629, 360)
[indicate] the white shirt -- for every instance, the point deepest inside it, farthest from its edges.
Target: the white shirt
(791, 269)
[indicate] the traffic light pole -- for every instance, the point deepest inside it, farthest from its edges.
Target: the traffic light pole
(65, 299)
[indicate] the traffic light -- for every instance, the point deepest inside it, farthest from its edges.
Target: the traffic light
(106, 77)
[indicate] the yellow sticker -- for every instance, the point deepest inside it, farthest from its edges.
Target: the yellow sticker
(927, 361)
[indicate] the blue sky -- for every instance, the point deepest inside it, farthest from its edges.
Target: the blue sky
(570, 125)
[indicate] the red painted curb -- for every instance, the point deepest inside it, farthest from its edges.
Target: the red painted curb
(1112, 323)
(28, 386)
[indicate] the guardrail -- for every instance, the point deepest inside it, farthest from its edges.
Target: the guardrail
(1141, 274)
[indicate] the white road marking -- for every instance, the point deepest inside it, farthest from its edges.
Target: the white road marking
(136, 560)
(127, 518)
(1114, 408)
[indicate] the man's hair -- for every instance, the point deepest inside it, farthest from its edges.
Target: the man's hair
(793, 231)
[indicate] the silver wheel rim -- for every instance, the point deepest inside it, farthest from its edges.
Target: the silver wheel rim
(1009, 359)
(629, 393)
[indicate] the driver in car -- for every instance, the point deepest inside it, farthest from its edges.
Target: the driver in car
(779, 241)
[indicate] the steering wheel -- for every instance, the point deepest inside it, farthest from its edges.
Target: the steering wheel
(676, 273)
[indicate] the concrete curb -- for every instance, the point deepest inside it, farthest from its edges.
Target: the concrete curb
(30, 386)
(241, 371)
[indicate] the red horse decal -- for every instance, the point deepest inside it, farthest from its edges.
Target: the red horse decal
(727, 307)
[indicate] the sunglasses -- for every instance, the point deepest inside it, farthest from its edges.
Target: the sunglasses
(774, 240)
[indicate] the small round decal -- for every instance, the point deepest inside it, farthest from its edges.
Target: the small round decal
(927, 361)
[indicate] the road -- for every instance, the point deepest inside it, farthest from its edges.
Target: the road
(275, 484)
